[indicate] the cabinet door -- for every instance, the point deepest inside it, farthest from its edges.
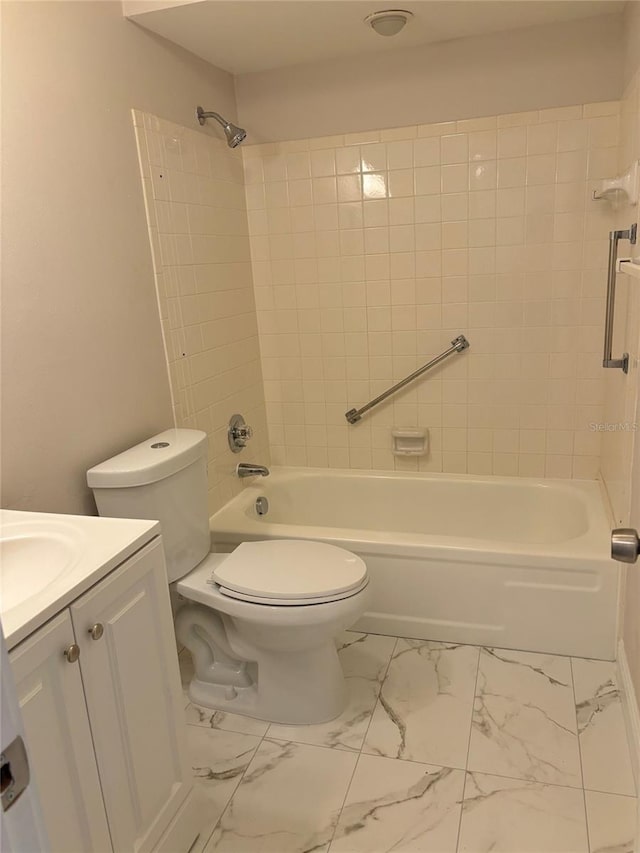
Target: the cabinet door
(61, 755)
(134, 697)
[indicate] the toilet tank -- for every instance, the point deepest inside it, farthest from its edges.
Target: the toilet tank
(164, 479)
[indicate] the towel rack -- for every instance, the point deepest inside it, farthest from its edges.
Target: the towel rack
(457, 345)
(629, 234)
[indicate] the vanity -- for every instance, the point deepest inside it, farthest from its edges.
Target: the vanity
(87, 620)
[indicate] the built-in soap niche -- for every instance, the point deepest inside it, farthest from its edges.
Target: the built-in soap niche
(410, 441)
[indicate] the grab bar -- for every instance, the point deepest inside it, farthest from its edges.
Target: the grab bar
(457, 345)
(629, 234)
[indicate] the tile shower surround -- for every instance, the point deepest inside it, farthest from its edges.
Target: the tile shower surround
(621, 390)
(194, 196)
(371, 251)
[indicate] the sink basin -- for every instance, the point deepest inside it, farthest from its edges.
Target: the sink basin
(48, 560)
(35, 551)
(30, 563)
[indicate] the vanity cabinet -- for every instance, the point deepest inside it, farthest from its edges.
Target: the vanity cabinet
(61, 756)
(102, 704)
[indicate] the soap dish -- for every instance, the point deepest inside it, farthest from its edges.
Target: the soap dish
(409, 441)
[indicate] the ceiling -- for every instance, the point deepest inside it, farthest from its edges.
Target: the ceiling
(242, 36)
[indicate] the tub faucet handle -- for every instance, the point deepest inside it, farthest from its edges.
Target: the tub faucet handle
(625, 545)
(238, 433)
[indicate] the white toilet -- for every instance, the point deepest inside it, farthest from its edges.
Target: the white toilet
(260, 622)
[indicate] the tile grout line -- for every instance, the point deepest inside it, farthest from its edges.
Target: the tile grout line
(466, 763)
(384, 678)
(584, 793)
(230, 800)
(359, 754)
(211, 728)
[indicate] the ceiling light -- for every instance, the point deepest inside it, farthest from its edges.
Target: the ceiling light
(389, 22)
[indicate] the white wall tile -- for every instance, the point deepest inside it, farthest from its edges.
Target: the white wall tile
(199, 235)
(484, 227)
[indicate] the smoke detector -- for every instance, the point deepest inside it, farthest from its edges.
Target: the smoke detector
(389, 22)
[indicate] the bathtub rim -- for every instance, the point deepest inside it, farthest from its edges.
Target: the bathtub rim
(591, 547)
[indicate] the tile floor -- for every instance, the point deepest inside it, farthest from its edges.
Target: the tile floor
(442, 748)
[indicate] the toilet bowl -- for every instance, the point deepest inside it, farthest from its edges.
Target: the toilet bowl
(269, 657)
(261, 622)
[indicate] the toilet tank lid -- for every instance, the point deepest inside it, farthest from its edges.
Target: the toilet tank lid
(151, 460)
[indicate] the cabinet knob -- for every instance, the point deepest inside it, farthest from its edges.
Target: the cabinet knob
(72, 653)
(96, 631)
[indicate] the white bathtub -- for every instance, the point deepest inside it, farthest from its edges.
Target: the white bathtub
(517, 563)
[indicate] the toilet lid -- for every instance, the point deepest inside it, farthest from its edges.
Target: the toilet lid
(290, 570)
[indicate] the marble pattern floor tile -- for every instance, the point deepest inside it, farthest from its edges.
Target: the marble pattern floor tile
(425, 705)
(289, 800)
(514, 816)
(606, 763)
(223, 721)
(218, 761)
(612, 821)
(400, 806)
(511, 731)
(524, 720)
(364, 659)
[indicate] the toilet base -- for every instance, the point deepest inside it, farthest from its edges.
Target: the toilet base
(292, 689)
(286, 684)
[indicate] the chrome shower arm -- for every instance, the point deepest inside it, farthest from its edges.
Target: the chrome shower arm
(235, 135)
(203, 116)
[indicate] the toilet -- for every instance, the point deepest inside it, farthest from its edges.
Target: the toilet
(261, 622)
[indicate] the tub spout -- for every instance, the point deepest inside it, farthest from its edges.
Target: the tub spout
(248, 469)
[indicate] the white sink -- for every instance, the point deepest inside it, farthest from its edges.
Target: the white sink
(33, 555)
(31, 560)
(47, 560)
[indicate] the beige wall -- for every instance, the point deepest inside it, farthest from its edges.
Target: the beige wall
(533, 68)
(196, 210)
(83, 370)
(373, 251)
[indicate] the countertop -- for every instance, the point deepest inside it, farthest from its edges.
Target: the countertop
(99, 545)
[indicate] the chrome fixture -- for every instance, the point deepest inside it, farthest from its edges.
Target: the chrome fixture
(389, 22)
(457, 345)
(629, 234)
(96, 631)
(248, 469)
(262, 505)
(235, 135)
(238, 433)
(625, 545)
(72, 653)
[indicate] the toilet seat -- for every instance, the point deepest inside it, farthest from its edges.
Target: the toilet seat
(290, 572)
(325, 599)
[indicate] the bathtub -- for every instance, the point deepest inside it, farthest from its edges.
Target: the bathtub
(498, 561)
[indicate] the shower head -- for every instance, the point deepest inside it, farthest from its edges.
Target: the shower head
(235, 135)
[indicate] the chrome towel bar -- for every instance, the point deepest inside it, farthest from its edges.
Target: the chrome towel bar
(629, 234)
(457, 345)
